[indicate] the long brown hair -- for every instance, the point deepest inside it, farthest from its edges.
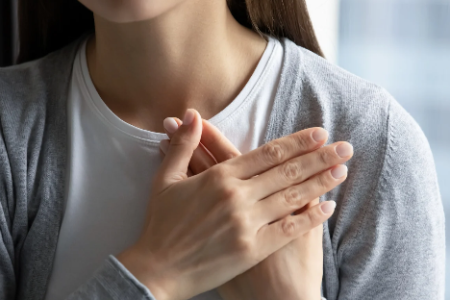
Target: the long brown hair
(48, 25)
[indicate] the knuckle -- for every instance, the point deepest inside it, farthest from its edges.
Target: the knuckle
(232, 195)
(291, 171)
(322, 182)
(301, 141)
(179, 140)
(178, 176)
(218, 173)
(324, 157)
(273, 152)
(289, 227)
(292, 196)
(237, 221)
(231, 192)
(227, 189)
(245, 247)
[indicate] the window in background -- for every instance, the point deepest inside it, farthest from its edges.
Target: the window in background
(404, 46)
(325, 18)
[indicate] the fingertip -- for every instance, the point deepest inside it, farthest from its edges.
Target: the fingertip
(170, 125)
(192, 118)
(328, 207)
(208, 126)
(319, 135)
(189, 116)
(179, 122)
(339, 171)
(198, 122)
(344, 150)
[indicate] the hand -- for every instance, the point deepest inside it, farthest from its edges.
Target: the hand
(202, 231)
(214, 147)
(294, 271)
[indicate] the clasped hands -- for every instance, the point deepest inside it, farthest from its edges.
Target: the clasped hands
(250, 225)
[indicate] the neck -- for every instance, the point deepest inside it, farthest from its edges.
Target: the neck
(194, 55)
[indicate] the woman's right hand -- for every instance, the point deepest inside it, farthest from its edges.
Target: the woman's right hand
(204, 230)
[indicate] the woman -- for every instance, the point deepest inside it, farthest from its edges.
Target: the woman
(81, 125)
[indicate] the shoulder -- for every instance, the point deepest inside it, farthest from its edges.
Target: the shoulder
(358, 110)
(390, 202)
(363, 110)
(340, 91)
(33, 94)
(390, 148)
(351, 107)
(315, 92)
(21, 87)
(36, 80)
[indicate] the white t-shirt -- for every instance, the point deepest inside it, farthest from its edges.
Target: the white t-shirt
(112, 163)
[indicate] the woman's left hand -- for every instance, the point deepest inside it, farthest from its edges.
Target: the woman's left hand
(293, 272)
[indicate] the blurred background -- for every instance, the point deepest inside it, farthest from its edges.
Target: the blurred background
(402, 45)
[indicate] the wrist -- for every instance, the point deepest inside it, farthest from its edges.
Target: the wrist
(302, 295)
(297, 291)
(308, 294)
(149, 271)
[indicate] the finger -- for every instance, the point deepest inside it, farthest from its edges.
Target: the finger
(182, 145)
(219, 146)
(164, 145)
(271, 238)
(299, 169)
(201, 159)
(276, 152)
(307, 206)
(214, 146)
(294, 198)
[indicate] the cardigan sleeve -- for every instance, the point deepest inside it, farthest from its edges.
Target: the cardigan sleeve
(398, 251)
(112, 281)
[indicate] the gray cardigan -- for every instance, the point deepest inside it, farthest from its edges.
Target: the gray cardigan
(385, 240)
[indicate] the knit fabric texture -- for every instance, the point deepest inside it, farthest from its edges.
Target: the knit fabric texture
(385, 240)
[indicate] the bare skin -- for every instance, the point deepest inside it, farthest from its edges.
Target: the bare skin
(204, 230)
(293, 272)
(147, 70)
(153, 59)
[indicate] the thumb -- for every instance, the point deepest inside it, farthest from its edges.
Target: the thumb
(179, 152)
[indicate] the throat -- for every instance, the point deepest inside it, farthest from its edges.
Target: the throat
(150, 85)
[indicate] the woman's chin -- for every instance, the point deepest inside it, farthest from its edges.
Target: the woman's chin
(119, 11)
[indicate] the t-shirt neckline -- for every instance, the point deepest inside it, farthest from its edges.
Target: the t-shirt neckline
(146, 136)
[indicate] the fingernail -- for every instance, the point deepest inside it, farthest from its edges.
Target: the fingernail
(188, 117)
(170, 125)
(339, 171)
(344, 149)
(328, 206)
(319, 135)
(164, 145)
